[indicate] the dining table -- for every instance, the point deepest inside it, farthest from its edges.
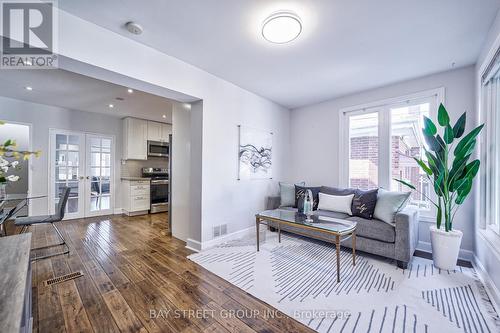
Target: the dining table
(11, 204)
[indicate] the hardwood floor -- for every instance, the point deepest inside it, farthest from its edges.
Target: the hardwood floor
(137, 279)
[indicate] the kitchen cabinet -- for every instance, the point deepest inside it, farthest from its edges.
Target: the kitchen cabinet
(136, 197)
(159, 131)
(135, 137)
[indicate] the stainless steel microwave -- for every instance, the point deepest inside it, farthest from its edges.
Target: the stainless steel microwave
(158, 149)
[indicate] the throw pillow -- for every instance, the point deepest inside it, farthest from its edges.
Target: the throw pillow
(388, 204)
(300, 192)
(364, 202)
(336, 203)
(287, 194)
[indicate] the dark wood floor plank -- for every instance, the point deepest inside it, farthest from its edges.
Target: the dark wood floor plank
(133, 267)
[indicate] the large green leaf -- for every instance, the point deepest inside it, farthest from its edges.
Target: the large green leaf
(429, 127)
(472, 169)
(465, 142)
(464, 191)
(432, 142)
(405, 183)
(455, 174)
(449, 135)
(438, 184)
(434, 163)
(443, 117)
(424, 166)
(459, 127)
(466, 151)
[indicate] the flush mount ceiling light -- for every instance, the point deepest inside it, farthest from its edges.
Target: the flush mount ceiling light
(130, 91)
(111, 106)
(134, 28)
(28, 88)
(281, 27)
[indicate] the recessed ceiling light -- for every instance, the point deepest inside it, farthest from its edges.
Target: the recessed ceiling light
(164, 116)
(111, 106)
(28, 88)
(130, 91)
(281, 27)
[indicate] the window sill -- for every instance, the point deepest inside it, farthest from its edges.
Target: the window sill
(427, 219)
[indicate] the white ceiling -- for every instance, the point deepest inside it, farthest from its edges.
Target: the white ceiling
(346, 45)
(57, 87)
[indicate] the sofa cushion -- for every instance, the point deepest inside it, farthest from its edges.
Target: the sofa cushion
(287, 194)
(336, 190)
(363, 203)
(374, 229)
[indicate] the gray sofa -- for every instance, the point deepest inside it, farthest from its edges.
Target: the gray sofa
(373, 236)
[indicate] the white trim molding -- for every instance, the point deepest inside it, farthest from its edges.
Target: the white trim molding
(193, 245)
(199, 246)
(118, 211)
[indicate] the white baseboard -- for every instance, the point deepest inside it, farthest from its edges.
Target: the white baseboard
(193, 245)
(118, 211)
(196, 246)
(463, 254)
(223, 239)
(485, 278)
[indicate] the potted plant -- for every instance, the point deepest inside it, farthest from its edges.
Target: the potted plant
(9, 159)
(451, 174)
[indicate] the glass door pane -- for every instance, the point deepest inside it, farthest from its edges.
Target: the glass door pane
(99, 167)
(65, 168)
(407, 141)
(363, 150)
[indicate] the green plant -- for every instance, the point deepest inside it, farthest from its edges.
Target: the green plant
(447, 166)
(9, 159)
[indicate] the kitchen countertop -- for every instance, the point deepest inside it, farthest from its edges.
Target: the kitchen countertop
(135, 178)
(14, 261)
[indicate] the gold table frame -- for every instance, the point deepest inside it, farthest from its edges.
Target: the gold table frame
(351, 233)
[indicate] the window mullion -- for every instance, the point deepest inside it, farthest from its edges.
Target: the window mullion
(384, 170)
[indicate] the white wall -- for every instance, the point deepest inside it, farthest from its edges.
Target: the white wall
(222, 198)
(42, 118)
(487, 243)
(315, 128)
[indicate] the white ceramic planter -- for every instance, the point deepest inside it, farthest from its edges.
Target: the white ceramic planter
(445, 247)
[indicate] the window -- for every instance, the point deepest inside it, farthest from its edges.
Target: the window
(406, 143)
(489, 146)
(363, 151)
(382, 139)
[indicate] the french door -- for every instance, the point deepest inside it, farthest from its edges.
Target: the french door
(84, 163)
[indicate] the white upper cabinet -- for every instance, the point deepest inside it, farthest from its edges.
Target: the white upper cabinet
(135, 137)
(166, 130)
(158, 131)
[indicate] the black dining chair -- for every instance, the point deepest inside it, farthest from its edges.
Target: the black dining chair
(26, 222)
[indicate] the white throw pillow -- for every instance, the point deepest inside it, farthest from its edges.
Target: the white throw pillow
(336, 203)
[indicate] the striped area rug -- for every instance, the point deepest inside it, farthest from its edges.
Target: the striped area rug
(298, 277)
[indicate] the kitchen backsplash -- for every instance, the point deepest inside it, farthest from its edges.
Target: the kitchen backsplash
(133, 168)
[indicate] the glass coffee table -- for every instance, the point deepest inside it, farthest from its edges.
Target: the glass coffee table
(338, 228)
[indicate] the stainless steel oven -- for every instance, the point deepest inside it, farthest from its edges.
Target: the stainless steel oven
(158, 149)
(159, 188)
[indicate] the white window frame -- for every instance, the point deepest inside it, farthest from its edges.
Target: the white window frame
(384, 130)
(488, 216)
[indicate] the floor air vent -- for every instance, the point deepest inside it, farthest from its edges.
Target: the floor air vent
(63, 278)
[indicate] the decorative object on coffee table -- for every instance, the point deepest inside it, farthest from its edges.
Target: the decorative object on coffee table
(255, 153)
(452, 175)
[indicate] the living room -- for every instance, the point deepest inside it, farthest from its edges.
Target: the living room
(317, 133)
